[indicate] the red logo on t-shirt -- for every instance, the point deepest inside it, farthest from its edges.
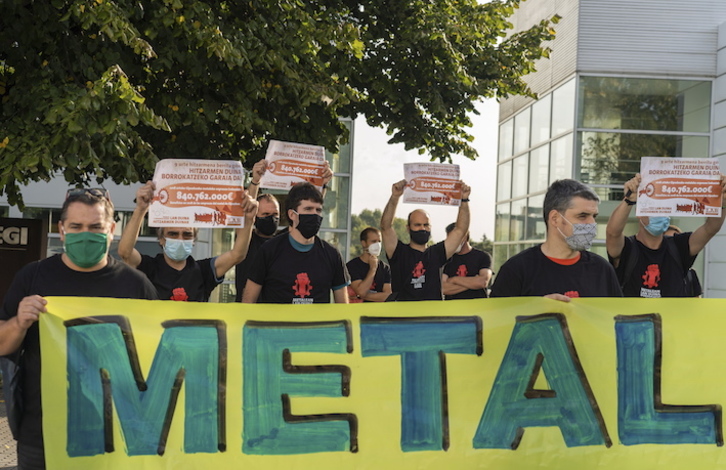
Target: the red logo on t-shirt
(373, 286)
(462, 271)
(573, 294)
(179, 294)
(418, 270)
(302, 285)
(651, 276)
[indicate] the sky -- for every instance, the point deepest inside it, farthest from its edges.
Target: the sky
(377, 165)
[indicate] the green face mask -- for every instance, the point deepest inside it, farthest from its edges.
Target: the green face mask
(86, 249)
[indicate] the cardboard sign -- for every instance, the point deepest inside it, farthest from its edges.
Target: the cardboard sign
(432, 183)
(197, 193)
(289, 163)
(518, 383)
(682, 187)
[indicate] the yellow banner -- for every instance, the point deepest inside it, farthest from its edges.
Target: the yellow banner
(490, 383)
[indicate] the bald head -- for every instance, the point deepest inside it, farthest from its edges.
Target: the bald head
(419, 220)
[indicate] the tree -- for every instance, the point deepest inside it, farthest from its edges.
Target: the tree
(107, 87)
(368, 218)
(484, 245)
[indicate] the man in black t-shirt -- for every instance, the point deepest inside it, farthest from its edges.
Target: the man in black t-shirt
(649, 264)
(174, 272)
(467, 274)
(370, 278)
(298, 267)
(415, 269)
(84, 269)
(266, 223)
(561, 268)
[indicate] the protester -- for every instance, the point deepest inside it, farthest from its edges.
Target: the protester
(467, 274)
(370, 278)
(649, 264)
(267, 222)
(561, 268)
(416, 269)
(85, 269)
(298, 267)
(174, 272)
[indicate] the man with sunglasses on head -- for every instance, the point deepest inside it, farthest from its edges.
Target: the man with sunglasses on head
(174, 272)
(298, 267)
(266, 223)
(647, 263)
(84, 269)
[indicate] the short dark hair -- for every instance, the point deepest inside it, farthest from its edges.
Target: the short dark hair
(89, 199)
(268, 197)
(450, 227)
(560, 194)
(301, 192)
(366, 231)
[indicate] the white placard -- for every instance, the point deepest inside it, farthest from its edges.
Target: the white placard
(682, 187)
(197, 193)
(432, 183)
(290, 163)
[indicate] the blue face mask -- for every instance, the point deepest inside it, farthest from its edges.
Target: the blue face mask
(178, 250)
(657, 225)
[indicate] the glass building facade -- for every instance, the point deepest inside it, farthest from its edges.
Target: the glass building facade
(594, 129)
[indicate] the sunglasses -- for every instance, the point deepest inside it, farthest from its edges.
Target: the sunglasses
(97, 192)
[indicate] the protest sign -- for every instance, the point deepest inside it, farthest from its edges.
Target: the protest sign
(486, 383)
(682, 187)
(432, 183)
(197, 193)
(289, 163)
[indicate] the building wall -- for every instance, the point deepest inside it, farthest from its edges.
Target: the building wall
(715, 275)
(642, 37)
(679, 45)
(562, 63)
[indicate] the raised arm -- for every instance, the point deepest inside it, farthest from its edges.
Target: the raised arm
(711, 227)
(327, 176)
(126, 246)
(238, 253)
(455, 237)
(362, 286)
(258, 170)
(388, 234)
(614, 239)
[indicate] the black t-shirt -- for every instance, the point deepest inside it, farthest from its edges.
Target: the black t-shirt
(468, 264)
(51, 277)
(194, 283)
(531, 273)
(656, 272)
(291, 276)
(240, 271)
(416, 275)
(358, 270)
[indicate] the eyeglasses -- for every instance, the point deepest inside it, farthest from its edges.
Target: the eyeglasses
(97, 192)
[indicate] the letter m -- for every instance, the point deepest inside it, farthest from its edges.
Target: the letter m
(104, 373)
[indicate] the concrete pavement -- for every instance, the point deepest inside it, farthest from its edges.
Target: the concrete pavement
(8, 459)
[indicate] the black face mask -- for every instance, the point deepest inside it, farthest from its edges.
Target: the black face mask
(420, 237)
(267, 226)
(309, 224)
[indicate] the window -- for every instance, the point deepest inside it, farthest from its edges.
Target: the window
(521, 131)
(541, 120)
(645, 104)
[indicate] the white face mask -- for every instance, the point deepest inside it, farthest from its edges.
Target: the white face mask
(374, 248)
(459, 248)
